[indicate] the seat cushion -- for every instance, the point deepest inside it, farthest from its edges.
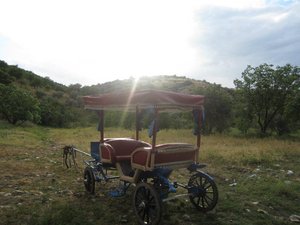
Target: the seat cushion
(120, 149)
(174, 152)
(173, 155)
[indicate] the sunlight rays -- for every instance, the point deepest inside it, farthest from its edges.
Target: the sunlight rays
(133, 88)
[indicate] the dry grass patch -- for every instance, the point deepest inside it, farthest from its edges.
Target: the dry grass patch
(251, 175)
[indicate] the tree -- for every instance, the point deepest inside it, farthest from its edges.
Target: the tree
(17, 105)
(218, 108)
(15, 71)
(5, 78)
(55, 114)
(242, 115)
(267, 92)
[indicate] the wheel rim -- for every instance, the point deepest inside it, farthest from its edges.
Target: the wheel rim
(147, 205)
(203, 192)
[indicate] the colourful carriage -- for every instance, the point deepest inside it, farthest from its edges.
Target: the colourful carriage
(148, 165)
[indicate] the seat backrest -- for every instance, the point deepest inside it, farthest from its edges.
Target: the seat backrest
(172, 147)
(125, 146)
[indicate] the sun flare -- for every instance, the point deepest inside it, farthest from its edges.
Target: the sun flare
(133, 88)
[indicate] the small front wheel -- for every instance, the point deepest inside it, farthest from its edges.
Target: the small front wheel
(203, 192)
(89, 180)
(147, 204)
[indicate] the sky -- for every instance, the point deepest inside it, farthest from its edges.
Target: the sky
(96, 41)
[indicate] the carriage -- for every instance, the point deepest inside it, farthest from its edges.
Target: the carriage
(148, 166)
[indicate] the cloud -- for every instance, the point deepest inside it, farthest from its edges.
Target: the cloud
(231, 38)
(96, 41)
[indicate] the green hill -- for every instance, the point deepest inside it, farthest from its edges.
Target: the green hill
(163, 82)
(27, 96)
(61, 106)
(57, 103)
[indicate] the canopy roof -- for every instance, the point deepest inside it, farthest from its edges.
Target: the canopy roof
(143, 99)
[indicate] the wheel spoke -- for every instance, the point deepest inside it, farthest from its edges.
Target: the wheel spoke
(139, 197)
(143, 192)
(202, 200)
(151, 199)
(152, 205)
(144, 215)
(140, 210)
(147, 217)
(198, 201)
(148, 194)
(205, 182)
(207, 187)
(206, 196)
(207, 203)
(152, 214)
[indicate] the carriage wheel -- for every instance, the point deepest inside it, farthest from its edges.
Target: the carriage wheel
(89, 180)
(203, 192)
(147, 204)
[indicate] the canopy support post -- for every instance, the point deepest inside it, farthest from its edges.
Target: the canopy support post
(155, 128)
(101, 125)
(137, 122)
(199, 136)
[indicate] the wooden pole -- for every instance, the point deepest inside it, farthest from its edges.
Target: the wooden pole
(155, 128)
(101, 125)
(137, 123)
(199, 135)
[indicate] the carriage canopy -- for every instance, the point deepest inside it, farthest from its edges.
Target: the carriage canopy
(163, 100)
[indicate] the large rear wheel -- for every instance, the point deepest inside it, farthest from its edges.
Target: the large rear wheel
(203, 192)
(147, 204)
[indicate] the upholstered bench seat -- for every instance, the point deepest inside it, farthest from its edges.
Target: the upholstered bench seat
(165, 155)
(119, 149)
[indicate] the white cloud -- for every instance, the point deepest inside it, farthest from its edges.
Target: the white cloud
(234, 38)
(96, 41)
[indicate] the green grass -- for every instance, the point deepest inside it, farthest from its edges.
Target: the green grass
(36, 189)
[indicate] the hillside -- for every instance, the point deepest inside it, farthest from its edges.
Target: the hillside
(170, 83)
(26, 96)
(61, 106)
(37, 85)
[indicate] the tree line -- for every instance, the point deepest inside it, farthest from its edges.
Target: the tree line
(265, 99)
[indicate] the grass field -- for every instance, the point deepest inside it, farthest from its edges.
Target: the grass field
(258, 180)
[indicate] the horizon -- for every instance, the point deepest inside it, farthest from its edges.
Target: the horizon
(136, 79)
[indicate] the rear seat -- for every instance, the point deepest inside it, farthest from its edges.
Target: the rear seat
(119, 149)
(174, 153)
(165, 155)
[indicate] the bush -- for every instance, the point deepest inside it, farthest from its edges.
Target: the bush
(17, 105)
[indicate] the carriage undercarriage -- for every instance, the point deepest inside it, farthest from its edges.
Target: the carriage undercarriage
(153, 188)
